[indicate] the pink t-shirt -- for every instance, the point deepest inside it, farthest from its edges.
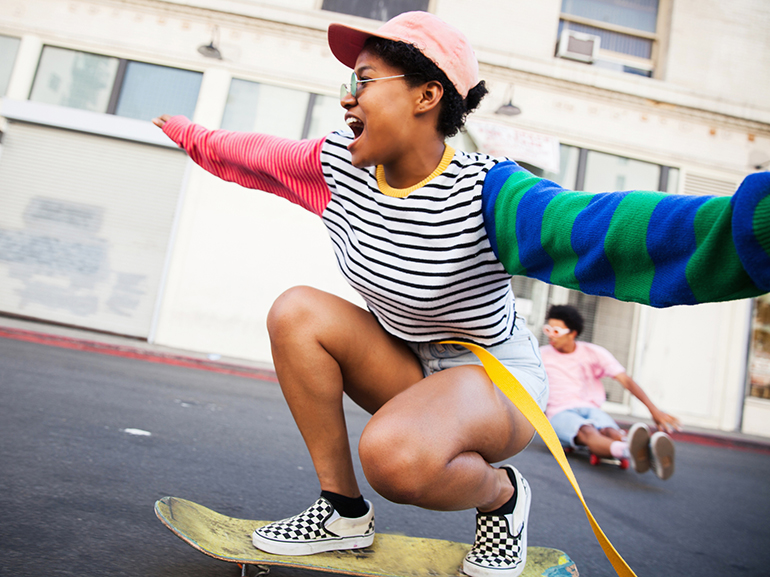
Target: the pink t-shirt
(574, 377)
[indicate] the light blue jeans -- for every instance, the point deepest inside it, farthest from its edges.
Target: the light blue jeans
(520, 354)
(567, 423)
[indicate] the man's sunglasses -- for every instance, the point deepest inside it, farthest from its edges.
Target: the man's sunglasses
(551, 331)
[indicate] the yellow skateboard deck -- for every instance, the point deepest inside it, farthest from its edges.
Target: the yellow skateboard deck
(229, 539)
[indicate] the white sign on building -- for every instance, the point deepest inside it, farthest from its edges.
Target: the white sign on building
(540, 150)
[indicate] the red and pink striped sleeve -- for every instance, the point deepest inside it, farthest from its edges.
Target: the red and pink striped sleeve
(288, 168)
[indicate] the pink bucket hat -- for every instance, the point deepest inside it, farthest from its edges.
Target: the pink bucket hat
(445, 45)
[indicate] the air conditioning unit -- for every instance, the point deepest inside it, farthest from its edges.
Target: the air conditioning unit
(578, 46)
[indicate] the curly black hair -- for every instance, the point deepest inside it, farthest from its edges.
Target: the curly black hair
(569, 315)
(421, 69)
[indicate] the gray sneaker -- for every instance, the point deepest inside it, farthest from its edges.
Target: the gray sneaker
(662, 449)
(639, 447)
(318, 528)
(500, 548)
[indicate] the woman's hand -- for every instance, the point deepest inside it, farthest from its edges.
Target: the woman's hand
(161, 120)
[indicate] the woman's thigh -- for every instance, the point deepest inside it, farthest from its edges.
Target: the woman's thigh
(448, 413)
(328, 335)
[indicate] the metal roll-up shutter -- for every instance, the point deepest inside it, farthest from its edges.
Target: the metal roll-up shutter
(85, 222)
(699, 185)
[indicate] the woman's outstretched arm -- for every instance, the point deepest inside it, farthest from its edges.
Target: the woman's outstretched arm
(288, 168)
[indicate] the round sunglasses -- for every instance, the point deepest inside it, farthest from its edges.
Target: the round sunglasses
(355, 83)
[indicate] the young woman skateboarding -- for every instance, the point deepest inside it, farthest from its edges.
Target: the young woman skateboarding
(429, 237)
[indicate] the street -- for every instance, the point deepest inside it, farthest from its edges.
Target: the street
(88, 442)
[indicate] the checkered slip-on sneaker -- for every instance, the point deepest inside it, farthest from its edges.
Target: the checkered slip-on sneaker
(317, 529)
(639, 447)
(662, 449)
(500, 548)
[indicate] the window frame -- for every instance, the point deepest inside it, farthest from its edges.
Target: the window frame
(120, 74)
(659, 39)
(314, 99)
(755, 359)
(4, 89)
(431, 7)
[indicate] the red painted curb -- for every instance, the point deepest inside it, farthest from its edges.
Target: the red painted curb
(715, 440)
(137, 353)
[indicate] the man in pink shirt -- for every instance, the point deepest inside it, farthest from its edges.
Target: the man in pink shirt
(576, 395)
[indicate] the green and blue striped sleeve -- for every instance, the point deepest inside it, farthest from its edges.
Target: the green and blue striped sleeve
(648, 247)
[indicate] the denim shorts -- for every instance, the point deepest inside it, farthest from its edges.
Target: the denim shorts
(520, 354)
(567, 423)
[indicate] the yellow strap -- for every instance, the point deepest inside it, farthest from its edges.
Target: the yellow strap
(514, 390)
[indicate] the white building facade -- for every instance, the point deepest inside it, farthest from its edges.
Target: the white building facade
(105, 225)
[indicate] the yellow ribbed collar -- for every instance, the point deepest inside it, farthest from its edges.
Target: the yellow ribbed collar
(388, 190)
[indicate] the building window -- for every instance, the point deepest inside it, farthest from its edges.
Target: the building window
(148, 90)
(759, 354)
(569, 162)
(593, 171)
(326, 116)
(375, 9)
(8, 48)
(610, 172)
(74, 79)
(113, 85)
(256, 107)
(627, 29)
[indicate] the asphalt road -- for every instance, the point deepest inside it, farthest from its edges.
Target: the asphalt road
(77, 490)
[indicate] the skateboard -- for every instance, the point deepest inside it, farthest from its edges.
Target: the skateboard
(229, 539)
(596, 460)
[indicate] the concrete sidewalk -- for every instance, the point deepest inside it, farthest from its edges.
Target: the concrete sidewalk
(105, 343)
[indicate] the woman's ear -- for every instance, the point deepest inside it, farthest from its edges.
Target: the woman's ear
(430, 96)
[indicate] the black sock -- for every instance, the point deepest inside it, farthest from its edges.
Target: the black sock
(346, 506)
(507, 508)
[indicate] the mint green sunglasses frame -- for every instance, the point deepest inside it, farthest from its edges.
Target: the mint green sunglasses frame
(352, 88)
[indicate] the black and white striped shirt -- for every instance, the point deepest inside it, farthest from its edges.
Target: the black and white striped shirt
(423, 262)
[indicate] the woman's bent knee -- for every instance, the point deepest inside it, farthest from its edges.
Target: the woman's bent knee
(394, 464)
(291, 309)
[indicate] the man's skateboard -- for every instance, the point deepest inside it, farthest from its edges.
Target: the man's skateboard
(597, 460)
(229, 539)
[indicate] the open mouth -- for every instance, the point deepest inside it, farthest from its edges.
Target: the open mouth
(355, 125)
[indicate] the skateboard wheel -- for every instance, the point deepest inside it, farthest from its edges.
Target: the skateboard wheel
(624, 464)
(594, 460)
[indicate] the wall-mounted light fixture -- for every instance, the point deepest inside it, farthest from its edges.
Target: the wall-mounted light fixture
(509, 108)
(210, 50)
(759, 159)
